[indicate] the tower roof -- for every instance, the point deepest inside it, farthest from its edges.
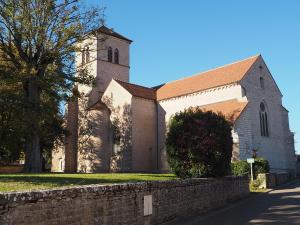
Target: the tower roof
(108, 31)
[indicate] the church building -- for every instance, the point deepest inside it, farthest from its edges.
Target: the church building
(117, 126)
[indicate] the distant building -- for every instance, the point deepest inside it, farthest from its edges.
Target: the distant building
(119, 126)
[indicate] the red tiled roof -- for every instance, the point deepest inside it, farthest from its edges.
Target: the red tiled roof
(231, 109)
(138, 91)
(213, 78)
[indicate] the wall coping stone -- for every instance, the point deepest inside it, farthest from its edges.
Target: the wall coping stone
(98, 189)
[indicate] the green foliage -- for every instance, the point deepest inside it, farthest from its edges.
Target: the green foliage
(12, 127)
(254, 185)
(13, 119)
(38, 45)
(260, 165)
(199, 144)
(242, 168)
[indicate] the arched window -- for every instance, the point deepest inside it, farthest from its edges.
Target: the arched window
(109, 54)
(87, 54)
(264, 126)
(262, 82)
(116, 56)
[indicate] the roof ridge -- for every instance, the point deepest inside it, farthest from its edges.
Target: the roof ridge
(206, 71)
(134, 84)
(223, 75)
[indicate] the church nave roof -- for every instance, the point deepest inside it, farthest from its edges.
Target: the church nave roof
(213, 78)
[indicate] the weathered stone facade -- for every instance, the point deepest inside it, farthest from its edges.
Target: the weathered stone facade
(127, 123)
(278, 147)
(89, 143)
(120, 203)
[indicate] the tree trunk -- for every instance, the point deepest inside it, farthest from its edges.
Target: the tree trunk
(71, 145)
(33, 162)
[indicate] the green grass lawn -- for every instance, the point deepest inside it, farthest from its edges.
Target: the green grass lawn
(21, 182)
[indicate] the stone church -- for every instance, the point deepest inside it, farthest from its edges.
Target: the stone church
(119, 126)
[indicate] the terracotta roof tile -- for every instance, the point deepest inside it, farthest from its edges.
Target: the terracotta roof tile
(138, 91)
(231, 109)
(213, 78)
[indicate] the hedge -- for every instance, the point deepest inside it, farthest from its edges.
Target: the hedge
(242, 168)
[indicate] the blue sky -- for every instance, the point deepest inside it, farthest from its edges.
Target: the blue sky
(174, 39)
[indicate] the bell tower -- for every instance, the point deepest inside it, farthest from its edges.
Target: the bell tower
(106, 56)
(113, 57)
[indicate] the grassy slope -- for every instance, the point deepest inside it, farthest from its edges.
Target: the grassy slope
(21, 182)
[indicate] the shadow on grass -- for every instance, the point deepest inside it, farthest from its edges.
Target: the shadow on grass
(159, 175)
(58, 180)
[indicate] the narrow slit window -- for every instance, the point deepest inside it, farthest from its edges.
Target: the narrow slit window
(261, 125)
(264, 126)
(262, 82)
(109, 54)
(116, 56)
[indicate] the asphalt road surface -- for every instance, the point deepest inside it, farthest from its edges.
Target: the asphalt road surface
(281, 206)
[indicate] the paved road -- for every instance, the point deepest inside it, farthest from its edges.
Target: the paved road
(280, 206)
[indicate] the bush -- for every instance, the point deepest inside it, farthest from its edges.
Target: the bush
(261, 165)
(254, 185)
(199, 144)
(242, 168)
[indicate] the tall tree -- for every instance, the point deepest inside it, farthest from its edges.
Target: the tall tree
(38, 38)
(11, 114)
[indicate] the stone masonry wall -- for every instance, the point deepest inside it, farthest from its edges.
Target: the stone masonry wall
(272, 148)
(71, 144)
(120, 203)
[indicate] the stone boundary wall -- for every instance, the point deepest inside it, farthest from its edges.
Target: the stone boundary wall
(130, 203)
(11, 169)
(282, 178)
(298, 168)
(271, 180)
